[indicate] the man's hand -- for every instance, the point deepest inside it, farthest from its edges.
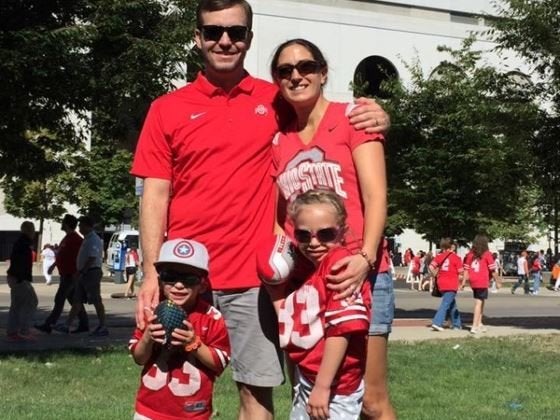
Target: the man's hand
(148, 297)
(369, 116)
(347, 275)
(318, 404)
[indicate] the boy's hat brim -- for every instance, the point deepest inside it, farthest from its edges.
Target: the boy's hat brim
(185, 252)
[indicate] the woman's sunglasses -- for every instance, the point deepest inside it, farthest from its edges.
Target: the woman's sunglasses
(172, 277)
(303, 67)
(322, 235)
(214, 32)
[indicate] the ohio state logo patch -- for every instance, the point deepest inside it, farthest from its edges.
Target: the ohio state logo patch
(261, 110)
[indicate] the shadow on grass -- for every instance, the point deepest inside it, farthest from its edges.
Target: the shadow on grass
(530, 323)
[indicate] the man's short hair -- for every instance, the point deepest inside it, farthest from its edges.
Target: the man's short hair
(70, 220)
(217, 5)
(87, 220)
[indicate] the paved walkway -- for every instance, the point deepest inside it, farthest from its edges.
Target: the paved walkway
(120, 319)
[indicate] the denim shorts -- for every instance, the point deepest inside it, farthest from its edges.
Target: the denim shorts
(383, 303)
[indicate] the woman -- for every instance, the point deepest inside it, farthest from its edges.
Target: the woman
(479, 268)
(131, 266)
(446, 267)
(320, 150)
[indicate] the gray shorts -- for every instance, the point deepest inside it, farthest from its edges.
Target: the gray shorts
(252, 327)
(382, 302)
(341, 407)
(88, 288)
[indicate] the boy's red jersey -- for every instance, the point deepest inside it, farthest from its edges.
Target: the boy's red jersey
(310, 314)
(174, 384)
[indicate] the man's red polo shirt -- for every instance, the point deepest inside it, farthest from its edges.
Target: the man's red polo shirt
(215, 148)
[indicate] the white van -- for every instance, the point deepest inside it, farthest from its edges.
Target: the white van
(116, 250)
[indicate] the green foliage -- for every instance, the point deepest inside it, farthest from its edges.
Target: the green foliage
(459, 147)
(530, 28)
(102, 186)
(84, 70)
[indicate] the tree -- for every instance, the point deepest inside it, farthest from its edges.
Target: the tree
(86, 71)
(461, 152)
(531, 29)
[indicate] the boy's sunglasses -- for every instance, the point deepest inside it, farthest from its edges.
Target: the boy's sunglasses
(235, 33)
(323, 235)
(304, 67)
(172, 277)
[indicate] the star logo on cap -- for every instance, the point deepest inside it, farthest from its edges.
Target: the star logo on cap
(183, 249)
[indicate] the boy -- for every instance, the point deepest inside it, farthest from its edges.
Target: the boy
(177, 379)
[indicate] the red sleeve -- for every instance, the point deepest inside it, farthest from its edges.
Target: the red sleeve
(216, 339)
(436, 262)
(490, 261)
(342, 318)
(133, 342)
(358, 137)
(468, 261)
(153, 157)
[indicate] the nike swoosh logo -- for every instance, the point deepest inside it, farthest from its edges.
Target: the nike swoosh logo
(195, 116)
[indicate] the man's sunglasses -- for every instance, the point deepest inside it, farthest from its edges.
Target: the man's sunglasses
(172, 277)
(304, 67)
(235, 33)
(322, 235)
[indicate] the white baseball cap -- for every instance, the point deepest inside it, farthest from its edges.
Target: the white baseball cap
(183, 251)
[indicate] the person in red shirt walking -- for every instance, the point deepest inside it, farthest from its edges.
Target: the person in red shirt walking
(65, 261)
(446, 268)
(479, 267)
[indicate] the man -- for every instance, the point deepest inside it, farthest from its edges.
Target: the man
(23, 299)
(522, 273)
(66, 263)
(88, 288)
(209, 144)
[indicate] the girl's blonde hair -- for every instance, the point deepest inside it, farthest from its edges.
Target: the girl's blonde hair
(319, 197)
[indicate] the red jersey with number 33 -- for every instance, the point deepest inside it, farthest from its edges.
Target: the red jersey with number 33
(174, 384)
(310, 314)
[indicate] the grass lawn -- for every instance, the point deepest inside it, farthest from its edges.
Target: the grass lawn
(509, 378)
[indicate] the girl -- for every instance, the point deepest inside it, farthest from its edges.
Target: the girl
(325, 338)
(321, 150)
(479, 267)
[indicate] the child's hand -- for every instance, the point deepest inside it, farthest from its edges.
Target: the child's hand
(153, 331)
(183, 336)
(318, 404)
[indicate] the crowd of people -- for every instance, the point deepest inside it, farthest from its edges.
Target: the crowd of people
(79, 263)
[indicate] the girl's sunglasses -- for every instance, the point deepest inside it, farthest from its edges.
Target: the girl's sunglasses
(172, 277)
(214, 32)
(322, 235)
(303, 67)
